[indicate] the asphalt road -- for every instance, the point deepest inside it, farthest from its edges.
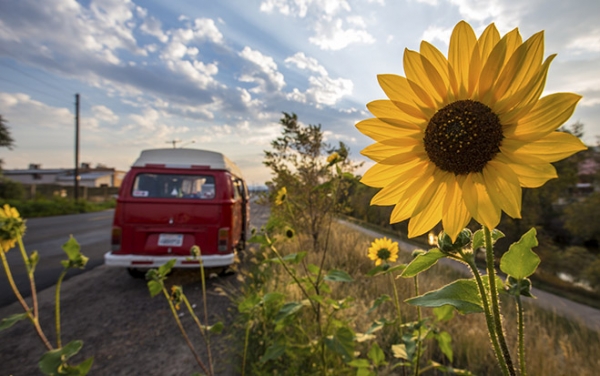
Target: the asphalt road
(47, 235)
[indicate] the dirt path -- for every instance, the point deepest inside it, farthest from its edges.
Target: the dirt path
(126, 331)
(586, 315)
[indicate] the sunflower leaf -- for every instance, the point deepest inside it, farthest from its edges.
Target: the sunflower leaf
(422, 262)
(338, 276)
(520, 261)
(462, 294)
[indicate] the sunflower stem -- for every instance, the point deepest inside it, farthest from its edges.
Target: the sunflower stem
(489, 320)
(491, 270)
(419, 316)
(521, 325)
(184, 333)
(397, 302)
(57, 307)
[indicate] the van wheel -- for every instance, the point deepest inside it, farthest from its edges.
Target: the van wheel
(137, 273)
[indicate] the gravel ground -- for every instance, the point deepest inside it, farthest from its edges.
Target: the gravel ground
(126, 331)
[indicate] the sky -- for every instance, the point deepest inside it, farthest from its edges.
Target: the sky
(217, 75)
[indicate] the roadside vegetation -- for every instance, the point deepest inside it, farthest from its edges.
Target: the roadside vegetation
(13, 194)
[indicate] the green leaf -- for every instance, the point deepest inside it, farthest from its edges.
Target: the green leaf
(359, 363)
(376, 355)
(338, 276)
(520, 261)
(479, 238)
(259, 239)
(216, 328)
(75, 258)
(443, 313)
(52, 362)
(450, 370)
(273, 352)
(165, 268)
(314, 269)
(444, 340)
(422, 262)
(462, 294)
(155, 288)
(292, 258)
(272, 297)
(378, 270)
(287, 310)
(379, 301)
(34, 259)
(399, 351)
(342, 342)
(12, 320)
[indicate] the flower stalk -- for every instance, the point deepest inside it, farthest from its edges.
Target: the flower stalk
(491, 270)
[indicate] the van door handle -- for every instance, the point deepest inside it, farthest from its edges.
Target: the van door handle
(171, 220)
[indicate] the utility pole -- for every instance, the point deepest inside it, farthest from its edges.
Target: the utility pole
(76, 175)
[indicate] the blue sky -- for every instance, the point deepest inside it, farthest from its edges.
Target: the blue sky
(217, 74)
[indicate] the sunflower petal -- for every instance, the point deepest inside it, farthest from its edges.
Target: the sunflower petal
(530, 175)
(428, 212)
(398, 89)
(478, 201)
(378, 151)
(490, 72)
(422, 72)
(462, 43)
(547, 115)
(517, 105)
(410, 198)
(552, 148)
(380, 130)
(522, 66)
(379, 175)
(395, 191)
(513, 41)
(504, 185)
(487, 41)
(442, 66)
(455, 215)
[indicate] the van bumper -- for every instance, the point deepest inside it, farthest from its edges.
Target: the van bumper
(146, 262)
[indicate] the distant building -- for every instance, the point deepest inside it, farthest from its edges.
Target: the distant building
(88, 176)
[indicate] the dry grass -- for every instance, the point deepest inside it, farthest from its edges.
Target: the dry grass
(554, 345)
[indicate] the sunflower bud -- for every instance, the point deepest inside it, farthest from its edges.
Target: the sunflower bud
(12, 227)
(446, 245)
(195, 251)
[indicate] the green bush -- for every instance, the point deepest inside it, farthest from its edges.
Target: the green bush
(57, 206)
(11, 190)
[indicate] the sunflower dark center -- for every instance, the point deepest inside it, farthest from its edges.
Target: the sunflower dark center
(463, 137)
(383, 254)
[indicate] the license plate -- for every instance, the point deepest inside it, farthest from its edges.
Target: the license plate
(170, 240)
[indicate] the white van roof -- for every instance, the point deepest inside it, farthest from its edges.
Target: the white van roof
(186, 158)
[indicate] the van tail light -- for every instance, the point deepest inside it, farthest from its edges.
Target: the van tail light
(223, 239)
(115, 239)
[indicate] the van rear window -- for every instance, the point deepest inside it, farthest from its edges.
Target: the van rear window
(174, 186)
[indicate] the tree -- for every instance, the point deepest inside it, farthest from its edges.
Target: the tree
(299, 163)
(6, 139)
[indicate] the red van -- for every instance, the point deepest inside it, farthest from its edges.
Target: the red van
(172, 199)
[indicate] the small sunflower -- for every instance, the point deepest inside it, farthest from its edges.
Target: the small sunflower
(11, 227)
(333, 158)
(383, 250)
(281, 196)
(176, 296)
(461, 136)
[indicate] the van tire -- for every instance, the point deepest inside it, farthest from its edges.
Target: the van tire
(137, 273)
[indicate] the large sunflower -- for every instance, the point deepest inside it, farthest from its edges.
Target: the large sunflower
(460, 136)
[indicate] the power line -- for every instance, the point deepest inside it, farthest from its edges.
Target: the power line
(33, 77)
(53, 96)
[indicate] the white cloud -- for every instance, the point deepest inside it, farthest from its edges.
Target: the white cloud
(263, 73)
(303, 62)
(104, 114)
(301, 8)
(20, 110)
(331, 34)
(327, 91)
(322, 89)
(152, 26)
